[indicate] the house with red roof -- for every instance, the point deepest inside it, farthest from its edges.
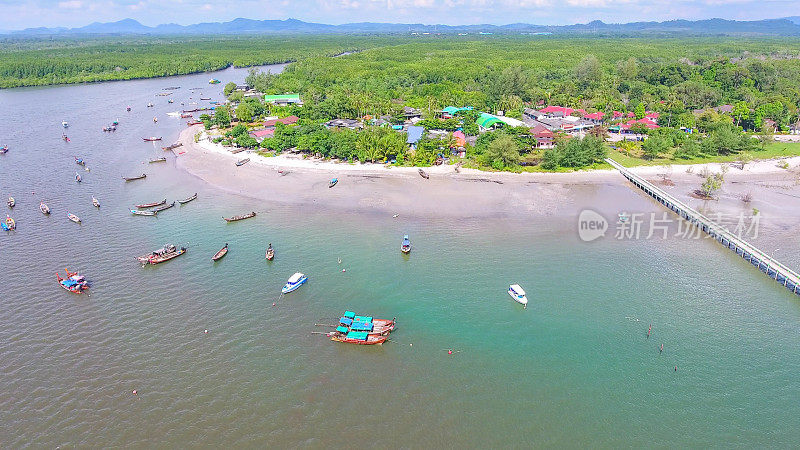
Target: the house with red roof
(260, 135)
(291, 120)
(596, 117)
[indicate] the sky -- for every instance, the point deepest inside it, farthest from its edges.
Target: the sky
(20, 14)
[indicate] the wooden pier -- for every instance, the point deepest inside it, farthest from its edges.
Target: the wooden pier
(772, 268)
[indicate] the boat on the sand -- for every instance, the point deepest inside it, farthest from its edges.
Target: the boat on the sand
(74, 283)
(423, 174)
(242, 217)
(162, 159)
(171, 146)
(242, 162)
(150, 205)
(161, 255)
(333, 182)
(187, 200)
(294, 282)
(221, 253)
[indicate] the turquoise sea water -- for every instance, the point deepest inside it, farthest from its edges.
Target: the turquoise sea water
(574, 369)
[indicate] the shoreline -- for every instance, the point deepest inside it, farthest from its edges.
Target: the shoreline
(472, 193)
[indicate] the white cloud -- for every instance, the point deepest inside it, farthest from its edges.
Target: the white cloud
(70, 4)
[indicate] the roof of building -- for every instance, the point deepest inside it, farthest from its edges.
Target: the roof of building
(453, 109)
(540, 130)
(286, 121)
(487, 120)
(557, 110)
(414, 134)
(595, 116)
(292, 98)
(262, 133)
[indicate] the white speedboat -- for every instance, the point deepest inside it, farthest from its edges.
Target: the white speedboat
(518, 294)
(294, 282)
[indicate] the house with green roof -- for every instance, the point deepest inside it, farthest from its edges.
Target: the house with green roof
(284, 99)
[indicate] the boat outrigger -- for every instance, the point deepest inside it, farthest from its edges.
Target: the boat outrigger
(221, 253)
(405, 247)
(161, 255)
(294, 282)
(135, 178)
(242, 217)
(187, 200)
(74, 283)
(150, 205)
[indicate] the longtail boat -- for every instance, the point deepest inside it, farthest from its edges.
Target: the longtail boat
(242, 162)
(163, 208)
(73, 218)
(3, 150)
(405, 247)
(95, 202)
(423, 174)
(142, 213)
(79, 161)
(151, 138)
(221, 253)
(333, 182)
(150, 205)
(171, 146)
(186, 115)
(135, 178)
(161, 255)
(270, 255)
(187, 200)
(44, 208)
(351, 322)
(162, 159)
(11, 202)
(242, 217)
(74, 283)
(358, 337)
(194, 122)
(78, 177)
(9, 224)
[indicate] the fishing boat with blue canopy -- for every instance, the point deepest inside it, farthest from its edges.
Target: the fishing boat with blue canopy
(352, 322)
(359, 337)
(405, 247)
(294, 282)
(74, 283)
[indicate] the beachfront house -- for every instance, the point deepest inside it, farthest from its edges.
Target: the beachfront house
(260, 135)
(414, 135)
(284, 99)
(544, 137)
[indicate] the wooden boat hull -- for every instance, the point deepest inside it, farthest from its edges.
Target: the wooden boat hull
(151, 139)
(157, 160)
(74, 218)
(143, 176)
(371, 340)
(78, 288)
(423, 174)
(143, 213)
(220, 254)
(242, 162)
(237, 218)
(163, 208)
(150, 205)
(270, 255)
(153, 260)
(183, 202)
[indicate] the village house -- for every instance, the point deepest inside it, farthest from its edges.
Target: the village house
(291, 120)
(284, 99)
(414, 135)
(344, 123)
(544, 137)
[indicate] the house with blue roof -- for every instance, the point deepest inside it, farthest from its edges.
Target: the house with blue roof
(414, 135)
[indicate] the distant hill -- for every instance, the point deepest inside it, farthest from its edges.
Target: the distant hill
(789, 26)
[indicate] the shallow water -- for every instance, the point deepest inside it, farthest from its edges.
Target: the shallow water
(574, 369)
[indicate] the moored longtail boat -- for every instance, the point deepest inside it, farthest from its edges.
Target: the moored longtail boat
(73, 218)
(162, 208)
(221, 253)
(44, 208)
(74, 283)
(171, 146)
(358, 337)
(351, 322)
(79, 161)
(136, 212)
(242, 217)
(135, 178)
(405, 247)
(270, 255)
(78, 177)
(187, 200)
(150, 205)
(3, 150)
(95, 202)
(151, 138)
(162, 159)
(11, 202)
(161, 255)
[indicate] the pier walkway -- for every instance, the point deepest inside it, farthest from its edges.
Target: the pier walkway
(771, 267)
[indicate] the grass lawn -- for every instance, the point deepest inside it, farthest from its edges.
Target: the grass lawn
(773, 150)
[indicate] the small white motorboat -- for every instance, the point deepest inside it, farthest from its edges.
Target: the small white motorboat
(518, 294)
(65, 124)
(294, 282)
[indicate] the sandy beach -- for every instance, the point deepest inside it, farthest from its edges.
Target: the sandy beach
(291, 179)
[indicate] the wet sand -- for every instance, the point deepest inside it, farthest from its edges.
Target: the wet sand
(374, 188)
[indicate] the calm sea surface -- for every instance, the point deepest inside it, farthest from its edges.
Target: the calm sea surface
(574, 369)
